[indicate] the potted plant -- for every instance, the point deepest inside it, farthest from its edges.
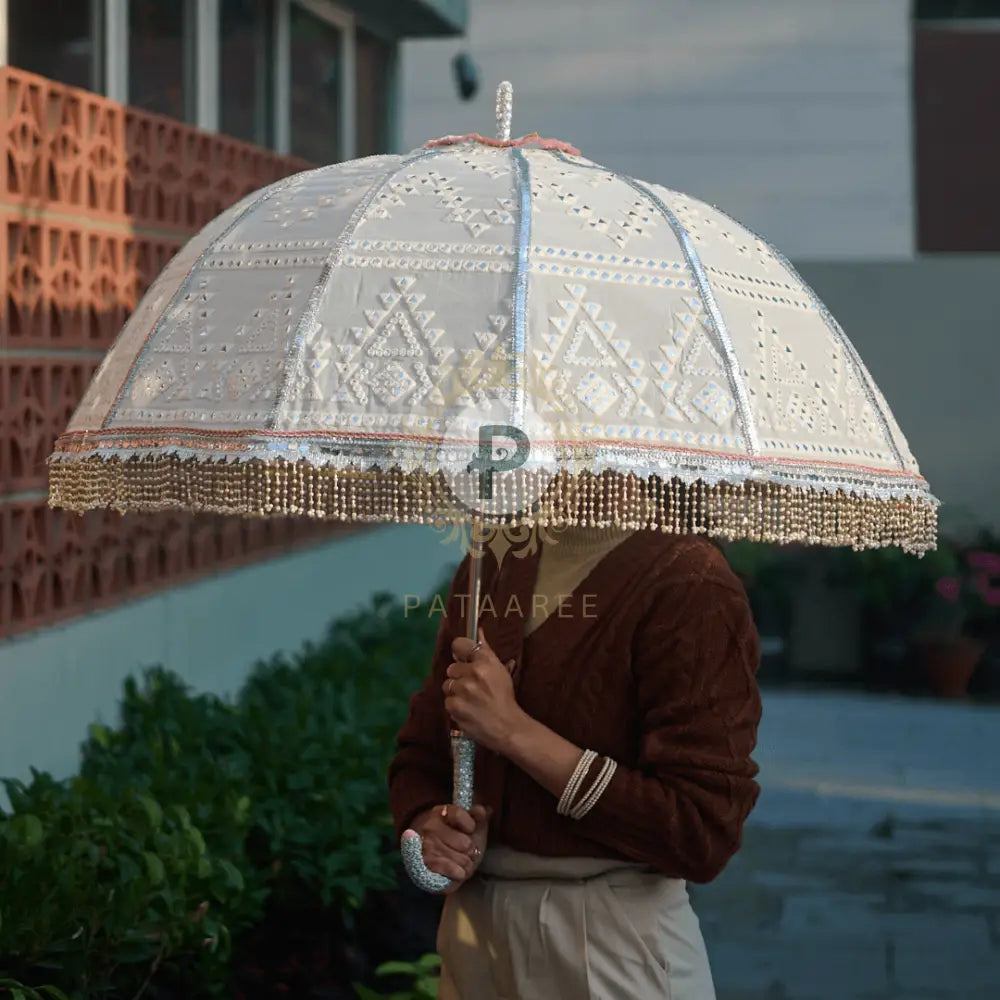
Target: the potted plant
(961, 618)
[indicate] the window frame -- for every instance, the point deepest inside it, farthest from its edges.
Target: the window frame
(203, 104)
(344, 21)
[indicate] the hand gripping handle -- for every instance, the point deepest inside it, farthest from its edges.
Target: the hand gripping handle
(463, 757)
(463, 750)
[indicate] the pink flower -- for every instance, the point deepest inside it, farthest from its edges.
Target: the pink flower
(987, 590)
(987, 562)
(949, 587)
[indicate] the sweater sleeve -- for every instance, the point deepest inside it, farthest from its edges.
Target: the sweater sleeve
(682, 808)
(420, 773)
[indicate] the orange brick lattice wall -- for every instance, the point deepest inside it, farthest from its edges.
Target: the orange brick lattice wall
(96, 198)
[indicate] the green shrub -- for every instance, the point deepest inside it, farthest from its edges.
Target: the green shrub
(100, 891)
(187, 751)
(18, 991)
(422, 979)
(320, 731)
(195, 814)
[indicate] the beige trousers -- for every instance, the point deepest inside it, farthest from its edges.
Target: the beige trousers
(533, 928)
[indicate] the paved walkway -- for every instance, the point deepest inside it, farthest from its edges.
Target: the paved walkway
(871, 866)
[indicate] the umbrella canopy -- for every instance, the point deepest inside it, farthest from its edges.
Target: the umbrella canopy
(492, 331)
(351, 342)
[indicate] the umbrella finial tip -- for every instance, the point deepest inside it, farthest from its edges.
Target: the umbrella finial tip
(505, 109)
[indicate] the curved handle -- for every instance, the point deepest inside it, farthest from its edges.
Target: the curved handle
(463, 758)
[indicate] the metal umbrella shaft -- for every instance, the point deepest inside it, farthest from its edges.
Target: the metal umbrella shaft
(463, 749)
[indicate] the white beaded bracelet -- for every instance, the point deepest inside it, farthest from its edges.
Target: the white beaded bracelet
(596, 790)
(573, 785)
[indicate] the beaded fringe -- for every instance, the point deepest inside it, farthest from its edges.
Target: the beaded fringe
(760, 512)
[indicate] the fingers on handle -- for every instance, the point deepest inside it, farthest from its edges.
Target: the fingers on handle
(416, 868)
(457, 818)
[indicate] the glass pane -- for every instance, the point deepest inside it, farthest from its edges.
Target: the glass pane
(55, 38)
(315, 92)
(373, 59)
(158, 57)
(246, 81)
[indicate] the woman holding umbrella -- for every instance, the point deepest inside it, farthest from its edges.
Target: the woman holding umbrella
(613, 697)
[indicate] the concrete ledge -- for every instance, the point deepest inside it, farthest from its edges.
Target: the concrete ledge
(414, 18)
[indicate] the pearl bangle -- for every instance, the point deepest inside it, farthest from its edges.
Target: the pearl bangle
(596, 790)
(573, 785)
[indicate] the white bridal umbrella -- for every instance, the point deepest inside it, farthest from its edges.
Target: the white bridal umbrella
(352, 342)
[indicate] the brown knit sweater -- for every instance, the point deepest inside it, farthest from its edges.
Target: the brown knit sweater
(653, 664)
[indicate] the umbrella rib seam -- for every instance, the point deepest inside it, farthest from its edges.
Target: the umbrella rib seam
(736, 380)
(836, 329)
(185, 284)
(297, 342)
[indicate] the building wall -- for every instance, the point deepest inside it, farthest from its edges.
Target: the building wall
(95, 198)
(792, 115)
(56, 681)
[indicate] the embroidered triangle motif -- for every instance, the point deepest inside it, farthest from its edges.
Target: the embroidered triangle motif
(386, 342)
(584, 336)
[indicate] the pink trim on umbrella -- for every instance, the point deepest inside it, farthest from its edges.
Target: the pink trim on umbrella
(534, 139)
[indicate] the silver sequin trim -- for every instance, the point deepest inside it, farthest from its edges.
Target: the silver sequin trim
(523, 174)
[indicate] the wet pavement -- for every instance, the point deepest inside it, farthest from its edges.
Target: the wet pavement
(871, 867)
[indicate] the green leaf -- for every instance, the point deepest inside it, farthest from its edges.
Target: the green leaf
(154, 868)
(234, 877)
(396, 969)
(54, 992)
(196, 839)
(99, 734)
(430, 961)
(427, 987)
(29, 829)
(152, 809)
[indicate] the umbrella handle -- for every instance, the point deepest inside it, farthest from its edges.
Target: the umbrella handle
(463, 758)
(463, 749)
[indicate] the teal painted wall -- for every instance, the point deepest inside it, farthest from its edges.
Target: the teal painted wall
(54, 683)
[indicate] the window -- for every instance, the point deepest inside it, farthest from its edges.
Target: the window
(160, 57)
(946, 10)
(316, 108)
(59, 39)
(374, 64)
(246, 42)
(956, 142)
